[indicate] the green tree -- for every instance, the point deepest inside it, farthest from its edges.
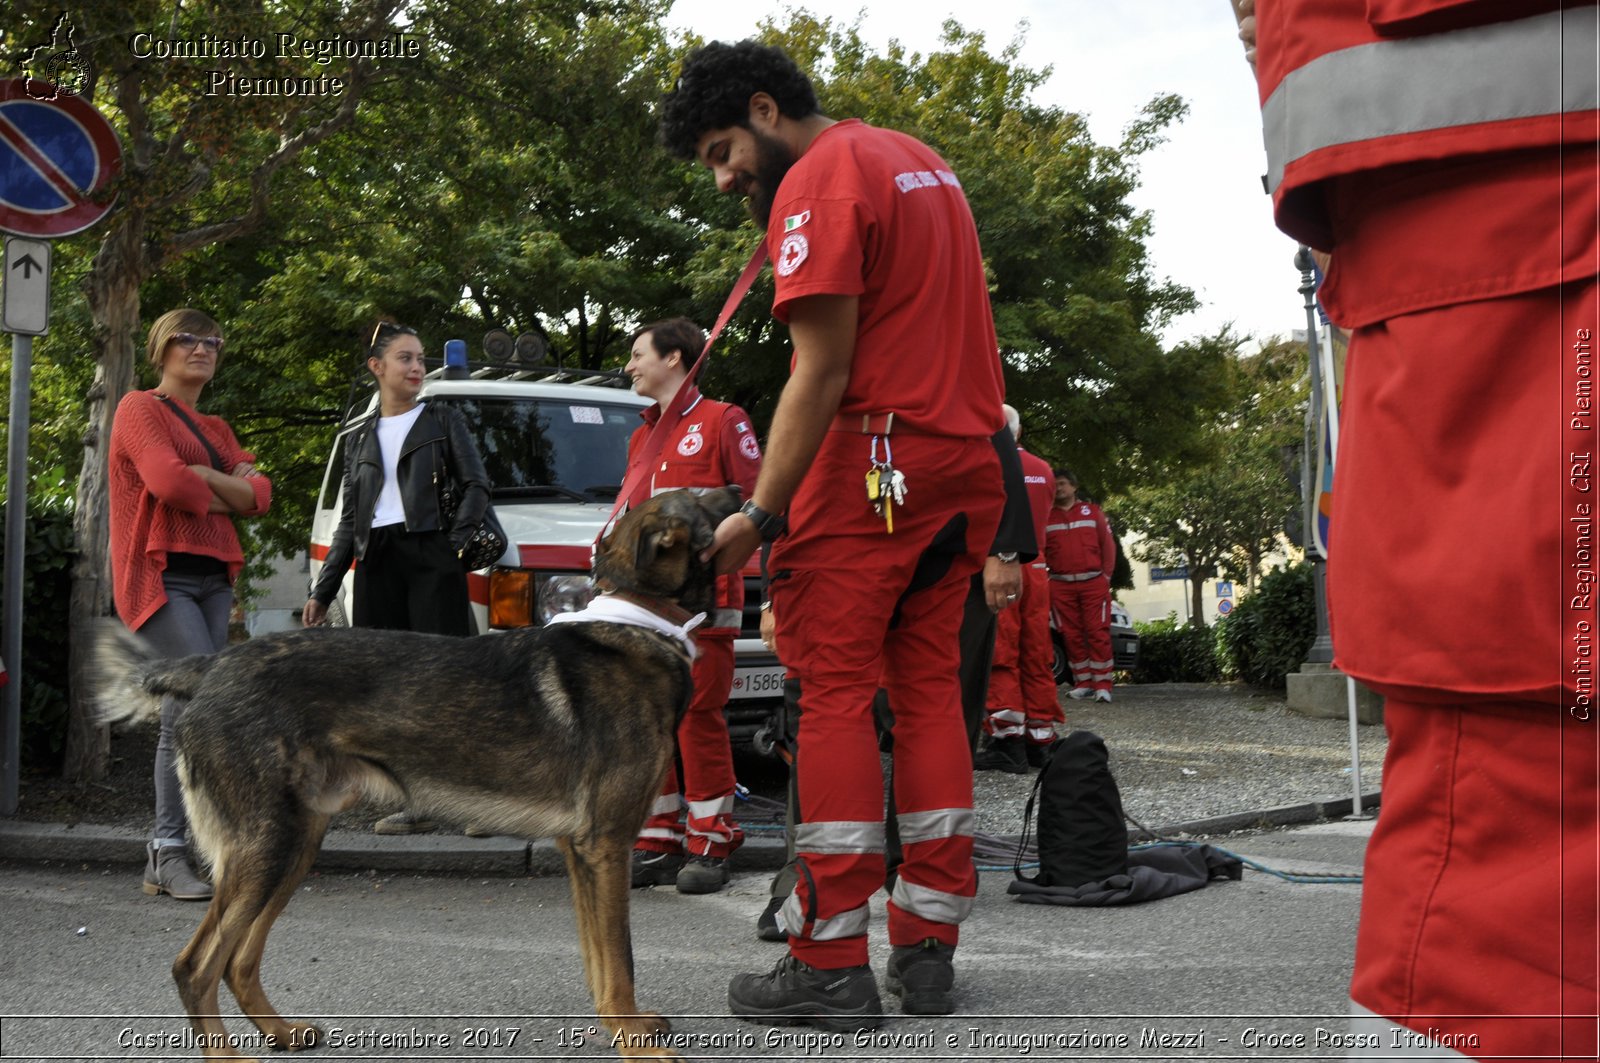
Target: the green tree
(197, 170)
(1077, 309)
(1220, 513)
(508, 177)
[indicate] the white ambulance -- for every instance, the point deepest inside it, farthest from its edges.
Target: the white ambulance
(554, 443)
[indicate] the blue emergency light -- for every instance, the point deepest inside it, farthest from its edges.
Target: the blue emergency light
(455, 359)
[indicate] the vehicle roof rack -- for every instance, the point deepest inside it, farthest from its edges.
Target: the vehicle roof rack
(362, 384)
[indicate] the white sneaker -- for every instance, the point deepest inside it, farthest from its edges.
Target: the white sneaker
(1079, 693)
(1102, 695)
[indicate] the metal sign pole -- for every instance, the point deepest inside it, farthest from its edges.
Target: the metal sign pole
(16, 530)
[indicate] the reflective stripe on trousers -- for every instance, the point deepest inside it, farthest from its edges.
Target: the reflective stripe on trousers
(706, 753)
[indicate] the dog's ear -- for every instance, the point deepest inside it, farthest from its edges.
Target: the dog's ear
(652, 542)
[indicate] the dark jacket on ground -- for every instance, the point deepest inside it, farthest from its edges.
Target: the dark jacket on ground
(439, 445)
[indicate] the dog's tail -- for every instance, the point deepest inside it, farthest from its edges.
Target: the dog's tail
(130, 677)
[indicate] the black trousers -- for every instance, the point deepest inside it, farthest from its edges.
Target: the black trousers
(411, 581)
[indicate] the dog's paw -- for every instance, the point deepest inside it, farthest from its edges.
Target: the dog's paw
(295, 1037)
(641, 1036)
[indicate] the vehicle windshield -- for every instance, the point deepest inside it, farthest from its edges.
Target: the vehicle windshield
(558, 450)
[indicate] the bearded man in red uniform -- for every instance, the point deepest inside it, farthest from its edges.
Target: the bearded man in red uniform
(1444, 152)
(712, 445)
(881, 455)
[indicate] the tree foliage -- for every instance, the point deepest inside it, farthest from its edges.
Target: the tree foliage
(1221, 514)
(508, 177)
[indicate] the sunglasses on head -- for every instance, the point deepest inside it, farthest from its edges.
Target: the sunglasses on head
(189, 341)
(385, 329)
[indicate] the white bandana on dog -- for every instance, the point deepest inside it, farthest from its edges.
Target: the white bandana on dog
(606, 609)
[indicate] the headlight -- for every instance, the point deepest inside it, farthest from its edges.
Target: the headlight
(520, 598)
(561, 593)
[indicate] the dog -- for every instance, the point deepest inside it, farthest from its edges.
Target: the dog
(562, 732)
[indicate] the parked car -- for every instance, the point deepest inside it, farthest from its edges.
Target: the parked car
(1124, 646)
(554, 443)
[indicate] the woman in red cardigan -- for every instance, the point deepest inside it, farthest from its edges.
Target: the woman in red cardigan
(177, 479)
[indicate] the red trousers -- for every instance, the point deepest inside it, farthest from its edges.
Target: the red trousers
(1456, 587)
(1083, 614)
(853, 603)
(706, 756)
(1478, 909)
(1022, 686)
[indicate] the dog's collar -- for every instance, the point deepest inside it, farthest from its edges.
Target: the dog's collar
(621, 607)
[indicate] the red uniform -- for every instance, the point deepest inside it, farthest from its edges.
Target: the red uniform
(1081, 553)
(876, 214)
(711, 446)
(1022, 686)
(1461, 209)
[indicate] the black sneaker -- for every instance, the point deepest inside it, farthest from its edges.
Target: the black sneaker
(841, 999)
(654, 868)
(767, 928)
(923, 976)
(703, 874)
(1002, 754)
(1037, 754)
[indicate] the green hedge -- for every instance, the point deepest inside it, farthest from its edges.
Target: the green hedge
(46, 592)
(1174, 652)
(1267, 635)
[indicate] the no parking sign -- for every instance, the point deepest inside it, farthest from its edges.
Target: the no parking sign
(54, 156)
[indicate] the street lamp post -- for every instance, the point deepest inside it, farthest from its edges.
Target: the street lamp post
(1321, 651)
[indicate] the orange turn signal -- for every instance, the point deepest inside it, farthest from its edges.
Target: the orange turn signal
(510, 597)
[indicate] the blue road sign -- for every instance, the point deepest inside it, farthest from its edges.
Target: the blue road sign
(54, 156)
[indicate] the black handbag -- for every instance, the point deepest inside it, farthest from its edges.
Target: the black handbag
(488, 541)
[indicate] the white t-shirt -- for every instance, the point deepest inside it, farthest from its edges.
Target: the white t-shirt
(392, 433)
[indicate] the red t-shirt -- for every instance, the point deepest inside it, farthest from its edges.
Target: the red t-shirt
(877, 214)
(1040, 480)
(712, 445)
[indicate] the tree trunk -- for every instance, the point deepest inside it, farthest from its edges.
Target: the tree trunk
(1197, 585)
(113, 296)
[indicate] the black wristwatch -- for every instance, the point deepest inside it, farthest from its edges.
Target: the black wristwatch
(770, 525)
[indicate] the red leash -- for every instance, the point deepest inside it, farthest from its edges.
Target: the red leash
(680, 402)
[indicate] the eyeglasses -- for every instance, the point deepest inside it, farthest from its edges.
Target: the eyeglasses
(385, 329)
(189, 341)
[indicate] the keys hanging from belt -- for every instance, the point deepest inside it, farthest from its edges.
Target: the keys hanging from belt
(886, 485)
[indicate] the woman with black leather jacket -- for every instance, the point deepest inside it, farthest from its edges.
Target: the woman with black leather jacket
(411, 575)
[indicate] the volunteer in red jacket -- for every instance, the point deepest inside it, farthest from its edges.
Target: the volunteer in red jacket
(880, 455)
(711, 445)
(1081, 553)
(1454, 184)
(1023, 706)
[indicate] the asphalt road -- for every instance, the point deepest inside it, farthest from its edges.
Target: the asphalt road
(456, 967)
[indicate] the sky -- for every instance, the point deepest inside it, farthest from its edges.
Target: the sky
(1212, 223)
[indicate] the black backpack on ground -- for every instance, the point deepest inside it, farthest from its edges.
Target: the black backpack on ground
(1084, 859)
(1083, 836)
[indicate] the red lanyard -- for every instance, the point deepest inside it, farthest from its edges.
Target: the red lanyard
(657, 438)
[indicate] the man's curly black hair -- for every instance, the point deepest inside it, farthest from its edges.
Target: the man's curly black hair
(715, 86)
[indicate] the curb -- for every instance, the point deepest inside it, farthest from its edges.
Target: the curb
(26, 841)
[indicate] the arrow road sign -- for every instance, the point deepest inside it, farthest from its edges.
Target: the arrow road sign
(27, 286)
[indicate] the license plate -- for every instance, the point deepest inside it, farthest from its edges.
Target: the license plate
(764, 682)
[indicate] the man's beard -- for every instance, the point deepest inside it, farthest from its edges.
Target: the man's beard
(773, 159)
